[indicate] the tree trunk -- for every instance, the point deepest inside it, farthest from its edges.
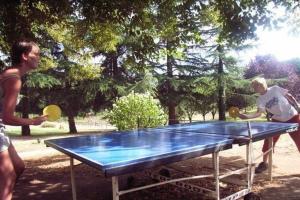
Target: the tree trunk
(171, 102)
(213, 115)
(71, 120)
(221, 86)
(72, 125)
(190, 118)
(114, 65)
(25, 110)
(70, 112)
(172, 113)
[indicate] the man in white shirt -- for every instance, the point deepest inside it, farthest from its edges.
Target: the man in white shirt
(276, 101)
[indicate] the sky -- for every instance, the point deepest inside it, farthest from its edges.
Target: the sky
(279, 43)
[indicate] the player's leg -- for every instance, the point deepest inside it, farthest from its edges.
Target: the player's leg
(7, 176)
(263, 166)
(296, 135)
(266, 146)
(18, 163)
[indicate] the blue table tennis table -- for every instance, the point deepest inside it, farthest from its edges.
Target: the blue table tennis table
(122, 152)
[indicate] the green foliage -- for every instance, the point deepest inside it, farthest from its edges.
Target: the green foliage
(136, 111)
(147, 84)
(46, 63)
(241, 100)
(239, 93)
(187, 108)
(39, 80)
(105, 36)
(174, 40)
(81, 73)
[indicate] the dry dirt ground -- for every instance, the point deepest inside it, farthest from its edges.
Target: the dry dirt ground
(47, 175)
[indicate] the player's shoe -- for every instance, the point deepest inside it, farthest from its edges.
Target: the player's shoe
(261, 168)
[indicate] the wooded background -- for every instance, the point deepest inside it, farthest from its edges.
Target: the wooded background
(93, 51)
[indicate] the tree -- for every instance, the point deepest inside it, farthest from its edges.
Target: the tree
(281, 73)
(269, 66)
(26, 19)
(176, 26)
(177, 41)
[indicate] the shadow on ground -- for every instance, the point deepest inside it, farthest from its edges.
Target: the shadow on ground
(285, 187)
(49, 178)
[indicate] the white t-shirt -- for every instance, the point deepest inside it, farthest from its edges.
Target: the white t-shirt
(275, 102)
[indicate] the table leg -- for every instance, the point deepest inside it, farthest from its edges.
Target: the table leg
(216, 173)
(115, 188)
(248, 165)
(249, 160)
(249, 157)
(73, 179)
(270, 154)
(213, 161)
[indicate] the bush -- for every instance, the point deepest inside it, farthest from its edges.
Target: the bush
(136, 111)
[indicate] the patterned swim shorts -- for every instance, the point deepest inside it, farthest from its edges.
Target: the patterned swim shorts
(4, 139)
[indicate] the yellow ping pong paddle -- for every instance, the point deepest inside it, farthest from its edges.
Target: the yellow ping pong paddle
(234, 111)
(53, 112)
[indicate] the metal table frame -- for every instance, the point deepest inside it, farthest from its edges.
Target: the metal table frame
(249, 168)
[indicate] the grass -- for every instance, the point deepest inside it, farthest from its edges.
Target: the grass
(36, 131)
(259, 119)
(61, 127)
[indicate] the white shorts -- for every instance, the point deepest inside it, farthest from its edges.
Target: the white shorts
(4, 139)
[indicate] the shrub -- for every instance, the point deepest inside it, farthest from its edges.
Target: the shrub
(136, 111)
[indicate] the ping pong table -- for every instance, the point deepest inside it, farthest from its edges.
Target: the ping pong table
(122, 152)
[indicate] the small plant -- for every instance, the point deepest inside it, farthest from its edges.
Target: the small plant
(136, 111)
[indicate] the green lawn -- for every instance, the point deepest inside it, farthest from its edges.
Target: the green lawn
(260, 119)
(36, 131)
